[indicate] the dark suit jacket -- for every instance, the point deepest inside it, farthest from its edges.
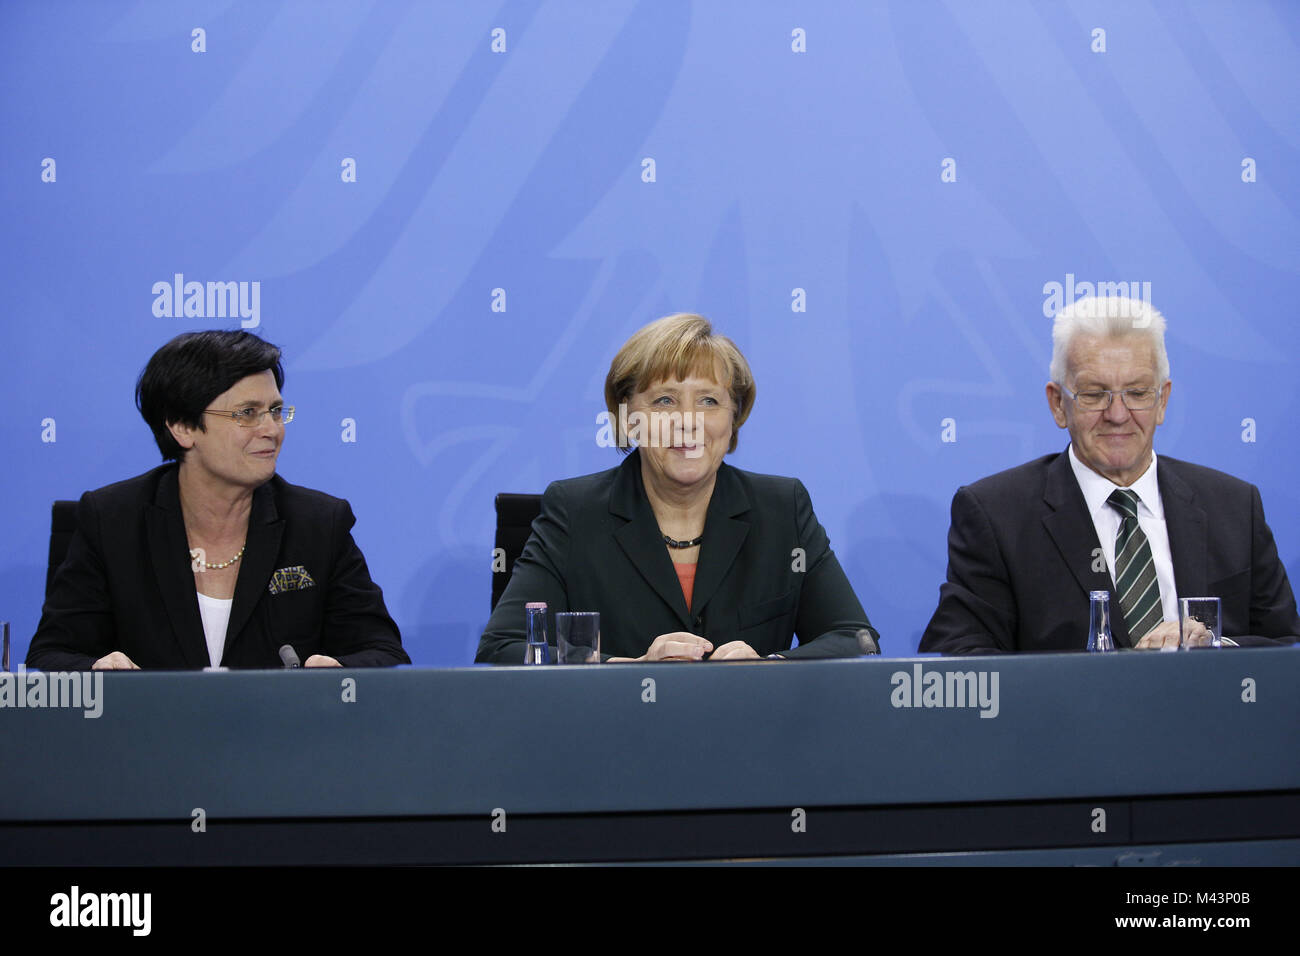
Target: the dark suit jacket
(126, 584)
(1022, 547)
(596, 547)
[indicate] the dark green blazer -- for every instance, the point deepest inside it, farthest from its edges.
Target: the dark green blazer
(766, 570)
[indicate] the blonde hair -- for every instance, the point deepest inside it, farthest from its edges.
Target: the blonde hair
(674, 348)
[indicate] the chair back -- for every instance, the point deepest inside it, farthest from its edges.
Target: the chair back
(63, 523)
(515, 515)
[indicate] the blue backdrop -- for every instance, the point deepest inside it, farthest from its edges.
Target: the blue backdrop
(450, 215)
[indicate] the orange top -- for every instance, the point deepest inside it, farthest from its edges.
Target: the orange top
(686, 575)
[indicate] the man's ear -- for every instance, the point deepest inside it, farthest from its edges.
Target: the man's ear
(182, 433)
(1163, 402)
(1056, 402)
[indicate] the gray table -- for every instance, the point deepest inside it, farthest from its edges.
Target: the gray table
(1127, 757)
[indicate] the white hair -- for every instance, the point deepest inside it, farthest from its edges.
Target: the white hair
(1107, 316)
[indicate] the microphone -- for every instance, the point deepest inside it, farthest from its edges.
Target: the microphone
(866, 643)
(289, 657)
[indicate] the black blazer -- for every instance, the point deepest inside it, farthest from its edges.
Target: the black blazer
(126, 584)
(1022, 547)
(766, 570)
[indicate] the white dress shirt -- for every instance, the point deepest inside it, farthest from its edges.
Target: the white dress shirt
(216, 617)
(1151, 519)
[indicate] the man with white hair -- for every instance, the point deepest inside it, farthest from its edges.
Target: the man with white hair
(1027, 545)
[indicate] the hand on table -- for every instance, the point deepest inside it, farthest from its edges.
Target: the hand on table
(1197, 634)
(684, 646)
(320, 660)
(116, 661)
(735, 651)
(673, 646)
(1164, 637)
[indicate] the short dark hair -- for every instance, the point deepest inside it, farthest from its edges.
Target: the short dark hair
(190, 371)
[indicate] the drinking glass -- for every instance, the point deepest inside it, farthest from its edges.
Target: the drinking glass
(577, 637)
(1207, 610)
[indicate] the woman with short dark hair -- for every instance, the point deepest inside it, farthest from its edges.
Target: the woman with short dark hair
(213, 559)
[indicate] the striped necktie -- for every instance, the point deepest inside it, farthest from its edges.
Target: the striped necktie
(1135, 571)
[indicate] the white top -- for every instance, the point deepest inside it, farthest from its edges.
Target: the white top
(1151, 519)
(216, 615)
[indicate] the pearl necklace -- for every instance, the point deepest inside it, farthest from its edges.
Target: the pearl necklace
(194, 556)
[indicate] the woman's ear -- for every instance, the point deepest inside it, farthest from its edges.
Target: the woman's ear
(182, 433)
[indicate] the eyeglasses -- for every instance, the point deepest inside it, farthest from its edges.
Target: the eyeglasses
(1099, 399)
(249, 417)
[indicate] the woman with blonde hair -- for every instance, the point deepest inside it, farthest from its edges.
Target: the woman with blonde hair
(684, 557)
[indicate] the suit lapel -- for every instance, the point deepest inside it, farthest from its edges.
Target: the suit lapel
(168, 547)
(265, 528)
(1185, 522)
(641, 540)
(724, 536)
(1070, 526)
